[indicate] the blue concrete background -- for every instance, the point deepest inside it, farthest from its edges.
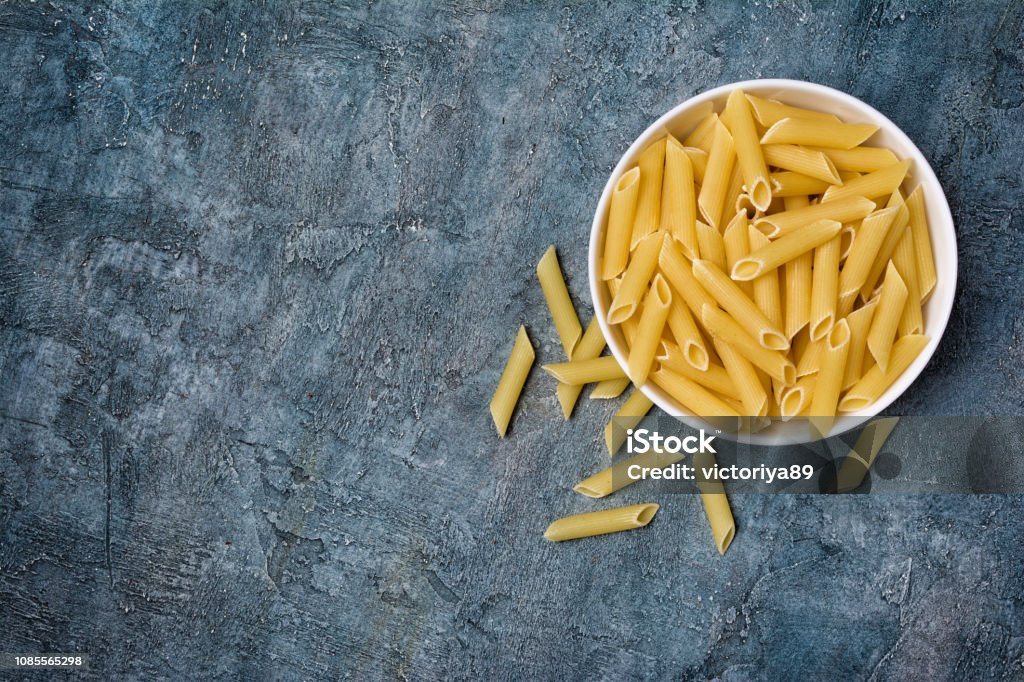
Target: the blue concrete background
(260, 267)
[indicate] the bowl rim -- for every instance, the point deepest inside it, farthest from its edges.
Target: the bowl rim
(947, 265)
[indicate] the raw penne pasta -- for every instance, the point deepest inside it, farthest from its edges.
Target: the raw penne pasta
(616, 477)
(922, 242)
(737, 246)
(807, 162)
(578, 372)
(727, 329)
(703, 136)
(912, 320)
(824, 288)
(732, 298)
(860, 323)
(711, 244)
(809, 360)
(887, 317)
(899, 227)
(790, 184)
(716, 504)
(797, 302)
(714, 378)
(860, 159)
(880, 183)
(843, 211)
(692, 395)
(846, 238)
(699, 162)
(875, 381)
(818, 133)
(767, 295)
(749, 157)
(679, 198)
(796, 400)
(686, 334)
(769, 112)
(559, 304)
(601, 522)
(786, 248)
(619, 229)
(752, 394)
(648, 204)
(870, 236)
(652, 322)
(830, 378)
(735, 200)
(506, 395)
(590, 346)
(636, 279)
(632, 412)
(629, 325)
(609, 388)
(679, 273)
(721, 158)
(795, 202)
(862, 456)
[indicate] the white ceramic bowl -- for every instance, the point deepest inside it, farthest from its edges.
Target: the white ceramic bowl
(682, 119)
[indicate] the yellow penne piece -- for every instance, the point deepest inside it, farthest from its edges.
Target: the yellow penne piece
(859, 159)
(578, 372)
(860, 323)
(769, 112)
(617, 476)
(872, 185)
(767, 295)
(692, 395)
(830, 378)
(609, 388)
(789, 184)
(796, 400)
(652, 322)
(737, 246)
(619, 228)
(911, 321)
(590, 346)
(714, 378)
(860, 458)
(899, 227)
(711, 244)
(721, 158)
(731, 297)
(632, 412)
(875, 382)
(804, 161)
(808, 360)
(651, 163)
(699, 162)
(749, 157)
(870, 236)
(818, 133)
(636, 279)
(887, 317)
(703, 136)
(679, 198)
(716, 504)
(846, 238)
(824, 288)
(601, 522)
(793, 203)
(559, 304)
(843, 211)
(506, 395)
(922, 242)
(679, 273)
(725, 328)
(786, 248)
(735, 200)
(744, 378)
(686, 334)
(797, 302)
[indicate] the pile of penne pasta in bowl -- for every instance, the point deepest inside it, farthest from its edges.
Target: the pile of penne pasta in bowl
(777, 252)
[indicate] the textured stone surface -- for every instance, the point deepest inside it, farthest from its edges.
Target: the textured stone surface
(259, 273)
